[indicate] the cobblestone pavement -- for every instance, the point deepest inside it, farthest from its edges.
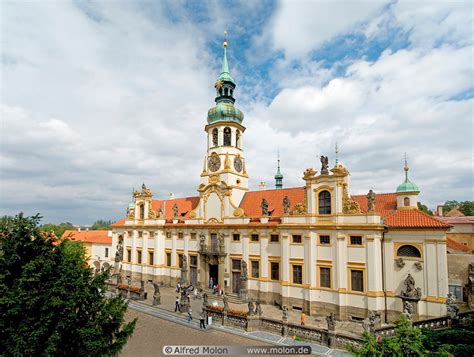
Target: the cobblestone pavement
(168, 297)
(152, 333)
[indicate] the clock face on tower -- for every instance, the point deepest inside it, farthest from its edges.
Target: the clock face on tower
(214, 162)
(238, 164)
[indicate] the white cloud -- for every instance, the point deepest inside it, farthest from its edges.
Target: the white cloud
(300, 26)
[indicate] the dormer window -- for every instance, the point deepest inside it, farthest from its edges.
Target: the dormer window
(406, 201)
(227, 136)
(324, 199)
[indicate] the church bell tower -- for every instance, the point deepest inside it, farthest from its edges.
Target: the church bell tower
(224, 163)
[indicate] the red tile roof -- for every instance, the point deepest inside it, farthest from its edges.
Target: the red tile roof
(385, 203)
(99, 236)
(185, 206)
(457, 220)
(413, 218)
(119, 223)
(251, 203)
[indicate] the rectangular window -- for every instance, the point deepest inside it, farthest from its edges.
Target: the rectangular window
(193, 236)
(106, 252)
(254, 237)
(324, 240)
(193, 260)
(236, 237)
(168, 259)
(140, 234)
(297, 239)
(357, 280)
(275, 270)
(130, 233)
(180, 235)
(297, 274)
(139, 256)
(325, 277)
(168, 234)
(129, 255)
(180, 260)
(274, 238)
(456, 290)
(356, 240)
(255, 269)
(150, 258)
(235, 264)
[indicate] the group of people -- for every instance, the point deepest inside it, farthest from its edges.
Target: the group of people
(202, 315)
(215, 287)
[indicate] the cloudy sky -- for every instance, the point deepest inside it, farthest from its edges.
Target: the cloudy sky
(98, 97)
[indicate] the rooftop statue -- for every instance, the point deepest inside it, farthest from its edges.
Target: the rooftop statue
(264, 206)
(371, 201)
(286, 205)
(324, 165)
(175, 211)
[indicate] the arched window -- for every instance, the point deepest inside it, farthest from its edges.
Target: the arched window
(226, 91)
(406, 201)
(237, 139)
(215, 137)
(324, 199)
(227, 136)
(142, 211)
(408, 251)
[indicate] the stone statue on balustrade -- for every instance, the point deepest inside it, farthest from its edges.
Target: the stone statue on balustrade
(285, 313)
(371, 201)
(202, 241)
(331, 321)
(225, 300)
(264, 206)
(324, 165)
(156, 294)
(258, 308)
(409, 290)
(251, 307)
(286, 205)
(451, 307)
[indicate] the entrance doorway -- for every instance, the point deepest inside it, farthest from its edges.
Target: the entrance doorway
(214, 273)
(235, 282)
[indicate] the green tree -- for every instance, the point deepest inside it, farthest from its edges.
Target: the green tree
(407, 341)
(424, 208)
(101, 224)
(57, 229)
(467, 208)
(50, 302)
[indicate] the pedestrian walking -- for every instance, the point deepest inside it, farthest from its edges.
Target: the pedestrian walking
(178, 287)
(190, 315)
(303, 318)
(202, 317)
(211, 283)
(176, 305)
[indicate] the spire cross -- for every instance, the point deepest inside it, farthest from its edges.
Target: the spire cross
(406, 168)
(278, 154)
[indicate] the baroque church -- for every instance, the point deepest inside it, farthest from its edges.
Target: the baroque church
(314, 247)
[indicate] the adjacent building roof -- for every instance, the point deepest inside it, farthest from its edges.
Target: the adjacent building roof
(457, 220)
(99, 236)
(385, 203)
(413, 218)
(452, 244)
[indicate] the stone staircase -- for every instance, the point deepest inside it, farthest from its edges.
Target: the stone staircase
(233, 298)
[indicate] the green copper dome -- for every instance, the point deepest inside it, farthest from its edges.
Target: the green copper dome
(224, 111)
(407, 185)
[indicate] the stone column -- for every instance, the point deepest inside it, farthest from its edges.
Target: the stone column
(221, 270)
(285, 269)
(374, 273)
(174, 258)
(340, 264)
(263, 286)
(134, 254)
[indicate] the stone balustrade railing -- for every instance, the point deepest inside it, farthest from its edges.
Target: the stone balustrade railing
(306, 333)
